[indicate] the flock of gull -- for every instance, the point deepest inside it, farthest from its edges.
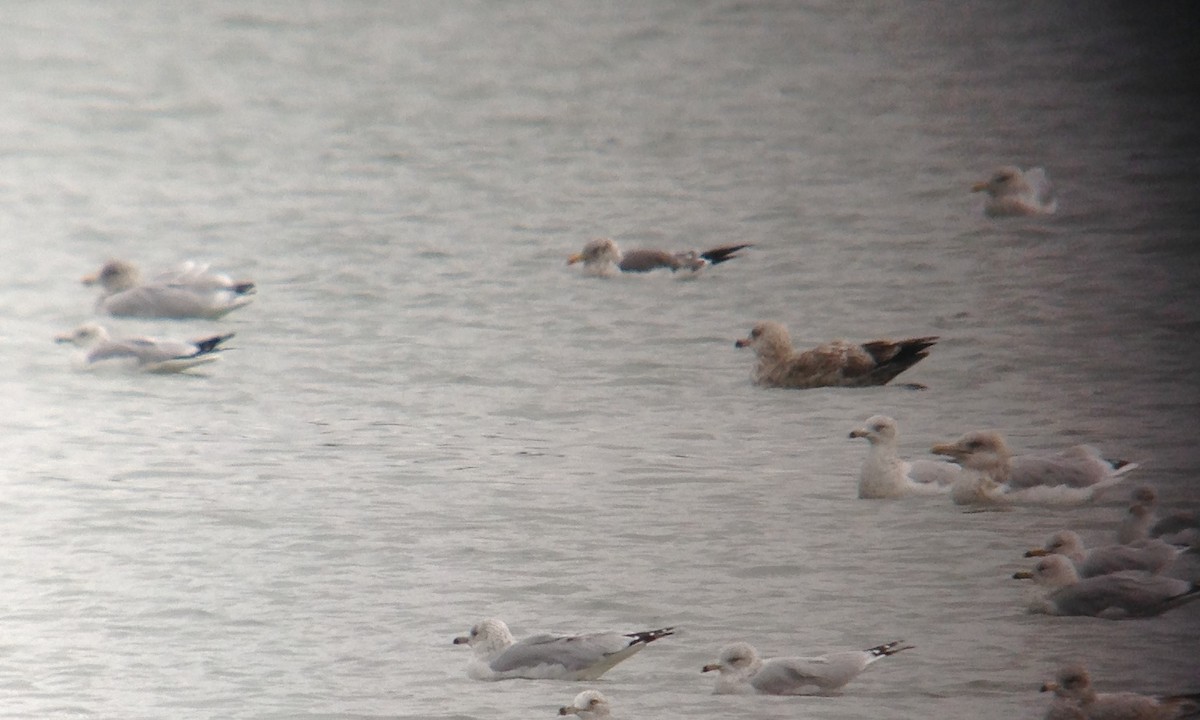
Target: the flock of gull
(1119, 580)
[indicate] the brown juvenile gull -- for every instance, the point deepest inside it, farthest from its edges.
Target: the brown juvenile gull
(834, 364)
(498, 656)
(1152, 556)
(741, 670)
(1073, 475)
(188, 291)
(602, 256)
(885, 475)
(142, 353)
(588, 705)
(1074, 697)
(1012, 192)
(1113, 597)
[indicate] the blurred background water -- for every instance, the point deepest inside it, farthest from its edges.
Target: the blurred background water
(429, 419)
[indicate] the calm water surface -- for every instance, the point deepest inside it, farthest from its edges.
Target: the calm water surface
(429, 419)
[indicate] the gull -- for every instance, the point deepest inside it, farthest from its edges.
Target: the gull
(885, 475)
(1012, 192)
(834, 364)
(200, 276)
(1074, 697)
(602, 256)
(1152, 556)
(1113, 597)
(741, 670)
(497, 656)
(142, 353)
(1178, 528)
(1071, 476)
(188, 291)
(588, 704)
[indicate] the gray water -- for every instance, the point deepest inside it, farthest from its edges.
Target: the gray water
(429, 419)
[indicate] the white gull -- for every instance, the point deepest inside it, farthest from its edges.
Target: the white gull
(885, 475)
(142, 353)
(741, 670)
(498, 656)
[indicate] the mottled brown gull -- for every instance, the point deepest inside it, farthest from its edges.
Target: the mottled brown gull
(142, 353)
(1152, 555)
(834, 364)
(602, 256)
(1073, 475)
(885, 475)
(1074, 697)
(588, 705)
(741, 670)
(497, 655)
(189, 291)
(1012, 192)
(1114, 597)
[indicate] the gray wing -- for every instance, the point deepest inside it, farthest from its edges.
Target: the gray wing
(787, 676)
(144, 350)
(1128, 593)
(933, 471)
(1150, 557)
(647, 260)
(1078, 467)
(575, 652)
(167, 301)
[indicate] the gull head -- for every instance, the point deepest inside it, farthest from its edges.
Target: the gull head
(768, 339)
(739, 659)
(1006, 180)
(878, 430)
(114, 276)
(1063, 542)
(980, 450)
(1072, 681)
(1144, 495)
(587, 704)
(1053, 571)
(487, 638)
(85, 335)
(597, 251)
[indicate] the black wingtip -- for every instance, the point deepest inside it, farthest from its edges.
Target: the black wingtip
(208, 345)
(891, 648)
(719, 255)
(649, 636)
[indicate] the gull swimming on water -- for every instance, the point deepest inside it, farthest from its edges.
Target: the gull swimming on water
(1181, 527)
(142, 353)
(1152, 556)
(498, 656)
(1074, 697)
(588, 705)
(1073, 475)
(602, 256)
(1012, 192)
(188, 291)
(834, 364)
(1116, 596)
(885, 475)
(741, 670)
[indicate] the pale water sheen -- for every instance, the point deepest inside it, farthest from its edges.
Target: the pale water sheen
(430, 419)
